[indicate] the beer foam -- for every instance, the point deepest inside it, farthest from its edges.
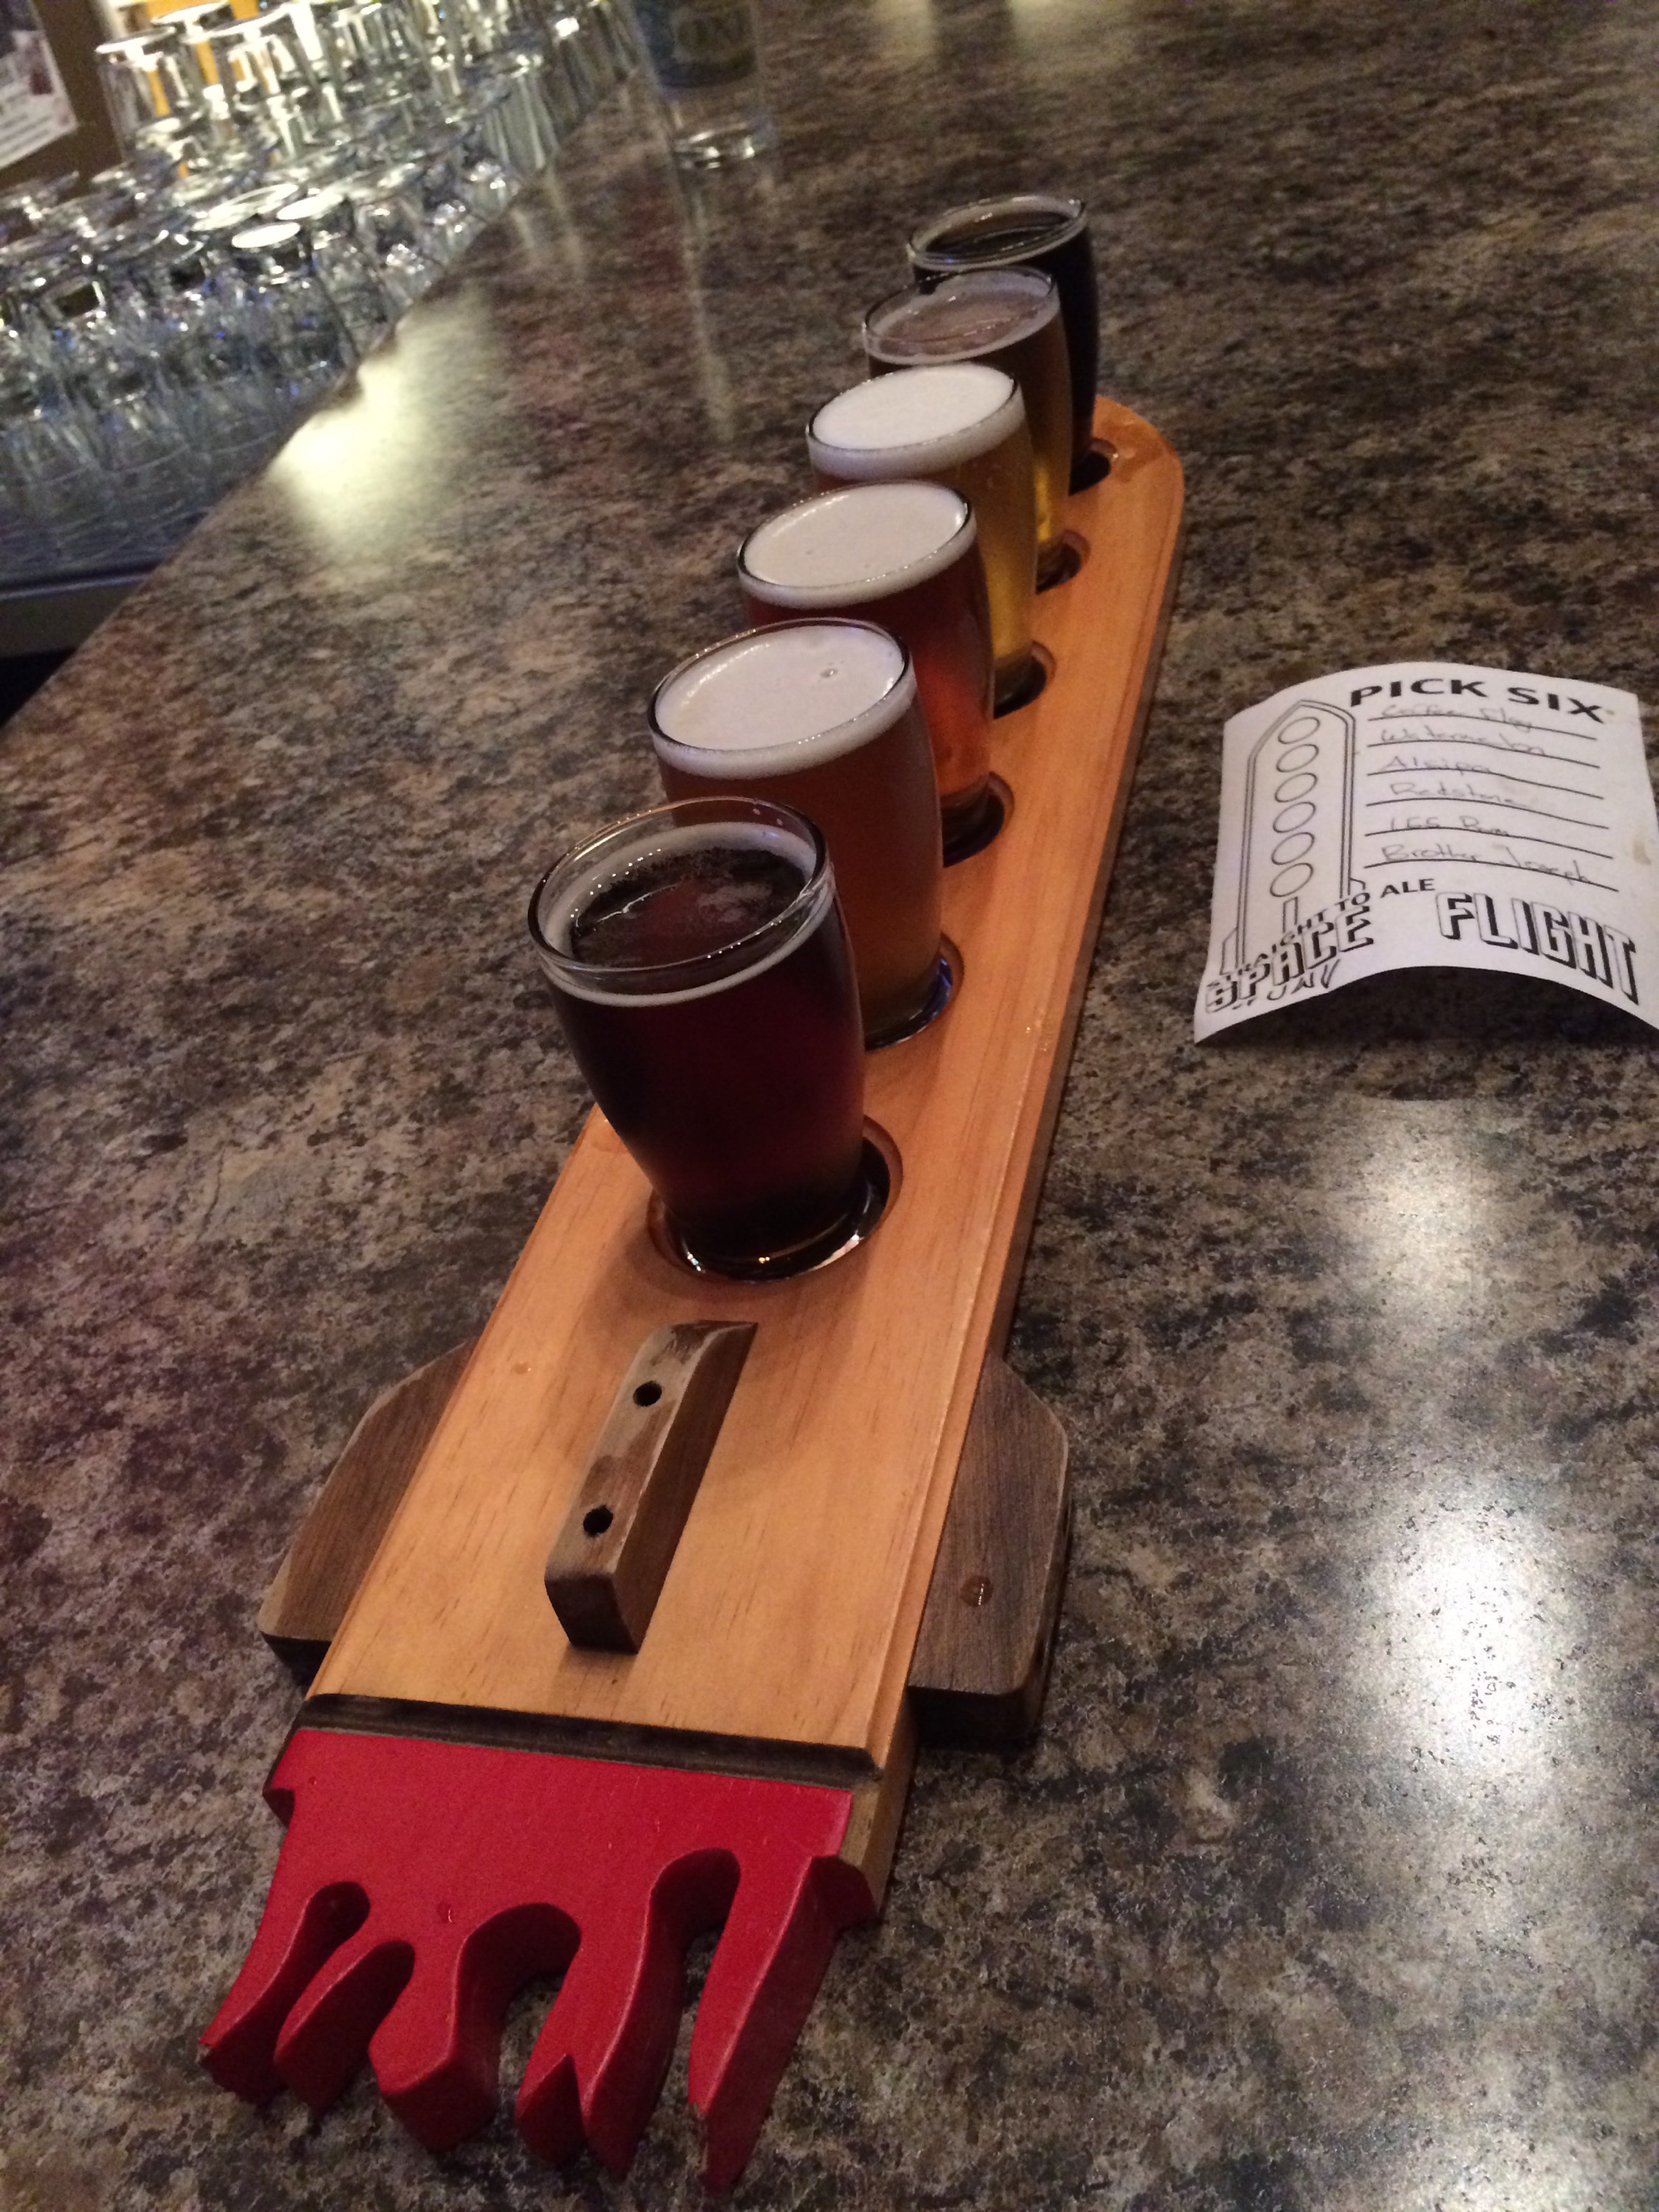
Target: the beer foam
(914, 420)
(863, 543)
(776, 701)
(967, 315)
(557, 906)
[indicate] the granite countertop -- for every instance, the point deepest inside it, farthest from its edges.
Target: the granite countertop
(1328, 1885)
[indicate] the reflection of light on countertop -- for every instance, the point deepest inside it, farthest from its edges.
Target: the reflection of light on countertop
(906, 28)
(1420, 1212)
(1466, 2172)
(1041, 19)
(375, 461)
(1469, 1639)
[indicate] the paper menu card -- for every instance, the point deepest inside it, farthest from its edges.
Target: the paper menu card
(1429, 815)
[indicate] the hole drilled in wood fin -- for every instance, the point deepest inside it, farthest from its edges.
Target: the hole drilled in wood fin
(981, 1661)
(608, 1561)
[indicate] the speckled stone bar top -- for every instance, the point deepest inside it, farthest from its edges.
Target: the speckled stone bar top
(1329, 1883)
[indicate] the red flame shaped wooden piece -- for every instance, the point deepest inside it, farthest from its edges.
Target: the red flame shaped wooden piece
(420, 1884)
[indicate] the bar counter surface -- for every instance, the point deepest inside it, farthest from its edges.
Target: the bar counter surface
(1328, 1885)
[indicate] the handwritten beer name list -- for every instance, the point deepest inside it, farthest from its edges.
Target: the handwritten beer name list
(1430, 815)
(1544, 811)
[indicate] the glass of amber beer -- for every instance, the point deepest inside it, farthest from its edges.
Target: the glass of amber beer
(703, 978)
(906, 557)
(1009, 319)
(962, 425)
(1030, 230)
(822, 716)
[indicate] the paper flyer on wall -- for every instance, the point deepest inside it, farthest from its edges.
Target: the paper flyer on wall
(34, 109)
(1429, 815)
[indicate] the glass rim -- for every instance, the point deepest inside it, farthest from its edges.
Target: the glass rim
(687, 978)
(261, 237)
(310, 207)
(915, 456)
(1073, 211)
(139, 42)
(1048, 292)
(789, 756)
(921, 568)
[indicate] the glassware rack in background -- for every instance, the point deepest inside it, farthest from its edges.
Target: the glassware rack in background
(294, 179)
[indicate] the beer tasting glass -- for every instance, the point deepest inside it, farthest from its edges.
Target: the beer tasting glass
(1036, 230)
(822, 716)
(906, 557)
(1009, 319)
(962, 425)
(700, 965)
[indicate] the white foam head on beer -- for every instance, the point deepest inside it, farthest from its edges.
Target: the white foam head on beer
(915, 422)
(966, 315)
(774, 701)
(861, 543)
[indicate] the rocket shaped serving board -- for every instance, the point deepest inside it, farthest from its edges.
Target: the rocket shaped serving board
(673, 1568)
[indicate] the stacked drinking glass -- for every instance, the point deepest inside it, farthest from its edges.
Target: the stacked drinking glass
(293, 181)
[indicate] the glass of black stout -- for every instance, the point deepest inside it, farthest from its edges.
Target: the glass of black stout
(703, 977)
(1030, 230)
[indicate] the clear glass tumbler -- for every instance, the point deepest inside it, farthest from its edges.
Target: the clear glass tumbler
(703, 58)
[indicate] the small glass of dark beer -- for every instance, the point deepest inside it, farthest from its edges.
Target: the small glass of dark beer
(703, 978)
(1036, 230)
(1009, 319)
(906, 557)
(822, 716)
(964, 425)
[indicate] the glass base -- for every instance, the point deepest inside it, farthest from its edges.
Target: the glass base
(1065, 563)
(716, 144)
(718, 149)
(1018, 686)
(877, 1187)
(946, 976)
(1091, 467)
(970, 829)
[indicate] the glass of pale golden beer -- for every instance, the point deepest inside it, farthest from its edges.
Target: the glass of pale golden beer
(822, 716)
(962, 425)
(1031, 230)
(906, 557)
(1009, 319)
(704, 979)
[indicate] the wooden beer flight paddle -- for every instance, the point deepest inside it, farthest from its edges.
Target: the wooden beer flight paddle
(652, 1620)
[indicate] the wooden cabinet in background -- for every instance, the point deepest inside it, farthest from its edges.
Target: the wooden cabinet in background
(73, 28)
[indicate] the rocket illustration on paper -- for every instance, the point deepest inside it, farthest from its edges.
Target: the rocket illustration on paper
(1296, 856)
